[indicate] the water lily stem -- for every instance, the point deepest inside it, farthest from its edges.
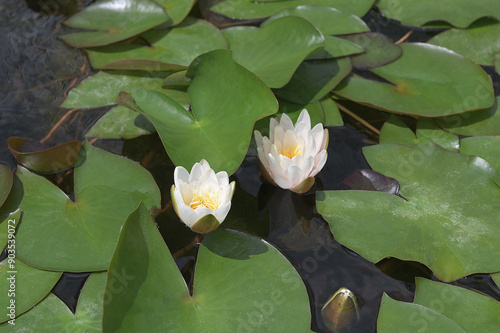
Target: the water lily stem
(63, 118)
(358, 118)
(402, 39)
(189, 247)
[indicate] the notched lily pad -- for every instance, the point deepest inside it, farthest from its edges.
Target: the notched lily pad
(226, 258)
(275, 50)
(448, 227)
(396, 131)
(166, 50)
(460, 13)
(113, 21)
(190, 136)
(486, 147)
(379, 50)
(38, 158)
(426, 80)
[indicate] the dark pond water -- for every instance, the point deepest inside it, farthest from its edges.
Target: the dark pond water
(37, 70)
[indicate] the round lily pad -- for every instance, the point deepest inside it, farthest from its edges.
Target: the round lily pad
(190, 136)
(52, 315)
(328, 20)
(276, 49)
(426, 80)
(177, 9)
(227, 262)
(248, 9)
(479, 43)
(6, 181)
(103, 88)
(113, 21)
(379, 50)
(171, 49)
(459, 13)
(486, 147)
(46, 160)
(448, 227)
(481, 122)
(29, 285)
(55, 229)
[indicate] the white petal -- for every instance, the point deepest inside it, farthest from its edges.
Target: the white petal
(180, 173)
(221, 212)
(319, 162)
(205, 165)
(307, 166)
(290, 139)
(263, 158)
(266, 144)
(282, 182)
(304, 118)
(258, 138)
(222, 178)
(301, 130)
(188, 215)
(295, 176)
(279, 135)
(272, 124)
(275, 169)
(186, 192)
(286, 122)
(318, 134)
(196, 172)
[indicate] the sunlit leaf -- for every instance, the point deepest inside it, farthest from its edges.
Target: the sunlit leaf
(276, 49)
(459, 13)
(478, 43)
(248, 9)
(113, 21)
(44, 160)
(8, 223)
(396, 131)
(486, 147)
(102, 89)
(30, 285)
(220, 125)
(227, 262)
(52, 315)
(177, 9)
(481, 122)
(426, 80)
(448, 223)
(120, 123)
(380, 50)
(328, 20)
(57, 233)
(171, 49)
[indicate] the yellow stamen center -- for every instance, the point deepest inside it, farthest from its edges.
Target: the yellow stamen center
(204, 201)
(290, 152)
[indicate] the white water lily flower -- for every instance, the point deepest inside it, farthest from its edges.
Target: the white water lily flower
(292, 155)
(201, 198)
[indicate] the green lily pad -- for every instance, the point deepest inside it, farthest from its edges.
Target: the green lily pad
(380, 50)
(496, 278)
(314, 79)
(396, 131)
(481, 122)
(275, 50)
(471, 310)
(177, 80)
(340, 47)
(55, 229)
(7, 222)
(459, 13)
(177, 9)
(47, 160)
(496, 62)
(227, 263)
(448, 223)
(6, 181)
(328, 20)
(190, 137)
(395, 316)
(426, 80)
(478, 43)
(121, 123)
(486, 147)
(248, 9)
(113, 21)
(172, 49)
(30, 286)
(52, 315)
(103, 88)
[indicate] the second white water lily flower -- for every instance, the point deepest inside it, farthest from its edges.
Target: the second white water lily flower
(201, 198)
(292, 155)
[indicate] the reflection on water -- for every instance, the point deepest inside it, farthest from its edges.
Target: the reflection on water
(36, 70)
